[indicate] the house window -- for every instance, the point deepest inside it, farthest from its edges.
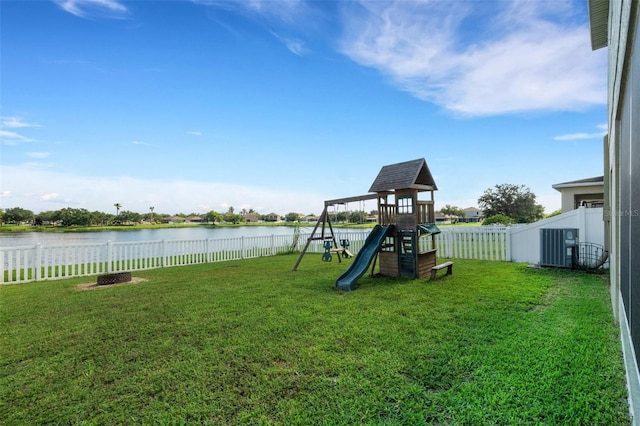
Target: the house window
(405, 205)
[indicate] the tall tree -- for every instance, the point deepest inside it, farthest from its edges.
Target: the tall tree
(213, 217)
(450, 210)
(291, 217)
(18, 215)
(118, 206)
(129, 217)
(358, 216)
(73, 217)
(514, 201)
(342, 217)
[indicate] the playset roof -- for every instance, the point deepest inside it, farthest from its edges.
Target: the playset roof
(412, 174)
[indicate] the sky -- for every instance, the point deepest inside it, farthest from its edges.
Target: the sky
(197, 105)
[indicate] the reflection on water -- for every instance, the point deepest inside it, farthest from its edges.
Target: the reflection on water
(192, 233)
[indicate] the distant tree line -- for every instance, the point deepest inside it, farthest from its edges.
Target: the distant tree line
(357, 216)
(82, 217)
(75, 217)
(504, 204)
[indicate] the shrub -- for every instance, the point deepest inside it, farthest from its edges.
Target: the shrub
(498, 219)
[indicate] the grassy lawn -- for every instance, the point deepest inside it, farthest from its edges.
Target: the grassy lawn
(250, 342)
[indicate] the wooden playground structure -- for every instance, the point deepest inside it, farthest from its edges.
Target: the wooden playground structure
(406, 243)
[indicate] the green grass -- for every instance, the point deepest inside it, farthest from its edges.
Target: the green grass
(250, 342)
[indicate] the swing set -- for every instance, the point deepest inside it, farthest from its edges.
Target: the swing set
(326, 232)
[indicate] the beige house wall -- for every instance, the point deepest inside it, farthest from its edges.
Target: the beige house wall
(590, 193)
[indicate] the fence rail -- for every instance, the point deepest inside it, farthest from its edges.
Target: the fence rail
(39, 262)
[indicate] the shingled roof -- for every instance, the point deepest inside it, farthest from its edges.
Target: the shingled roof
(412, 174)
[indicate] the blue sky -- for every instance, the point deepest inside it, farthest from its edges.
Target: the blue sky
(192, 106)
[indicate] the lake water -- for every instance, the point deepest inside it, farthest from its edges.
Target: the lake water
(16, 239)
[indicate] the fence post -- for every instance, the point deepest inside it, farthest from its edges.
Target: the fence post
(582, 220)
(109, 256)
(38, 262)
(273, 245)
(242, 247)
(2, 269)
(163, 254)
(507, 236)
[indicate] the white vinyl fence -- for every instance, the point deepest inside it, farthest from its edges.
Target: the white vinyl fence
(525, 240)
(39, 262)
(482, 243)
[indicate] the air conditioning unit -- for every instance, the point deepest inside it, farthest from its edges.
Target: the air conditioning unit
(559, 247)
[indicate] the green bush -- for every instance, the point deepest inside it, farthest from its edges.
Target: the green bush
(554, 213)
(498, 219)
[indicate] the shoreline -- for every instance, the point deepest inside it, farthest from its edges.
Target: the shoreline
(13, 229)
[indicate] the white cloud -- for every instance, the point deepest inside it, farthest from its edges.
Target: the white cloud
(289, 11)
(50, 196)
(87, 8)
(33, 189)
(15, 122)
(4, 194)
(13, 138)
(584, 135)
(580, 135)
(140, 143)
(522, 59)
(194, 133)
(295, 45)
(36, 165)
(38, 154)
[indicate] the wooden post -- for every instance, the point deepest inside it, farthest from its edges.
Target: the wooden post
(315, 228)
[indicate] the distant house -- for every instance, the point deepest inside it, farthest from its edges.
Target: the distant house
(251, 217)
(173, 219)
(272, 217)
(182, 219)
(584, 192)
(194, 219)
(444, 218)
(472, 214)
(311, 218)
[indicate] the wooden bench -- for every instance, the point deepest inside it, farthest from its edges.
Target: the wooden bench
(435, 269)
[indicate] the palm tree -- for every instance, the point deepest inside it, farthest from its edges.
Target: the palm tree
(151, 208)
(117, 206)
